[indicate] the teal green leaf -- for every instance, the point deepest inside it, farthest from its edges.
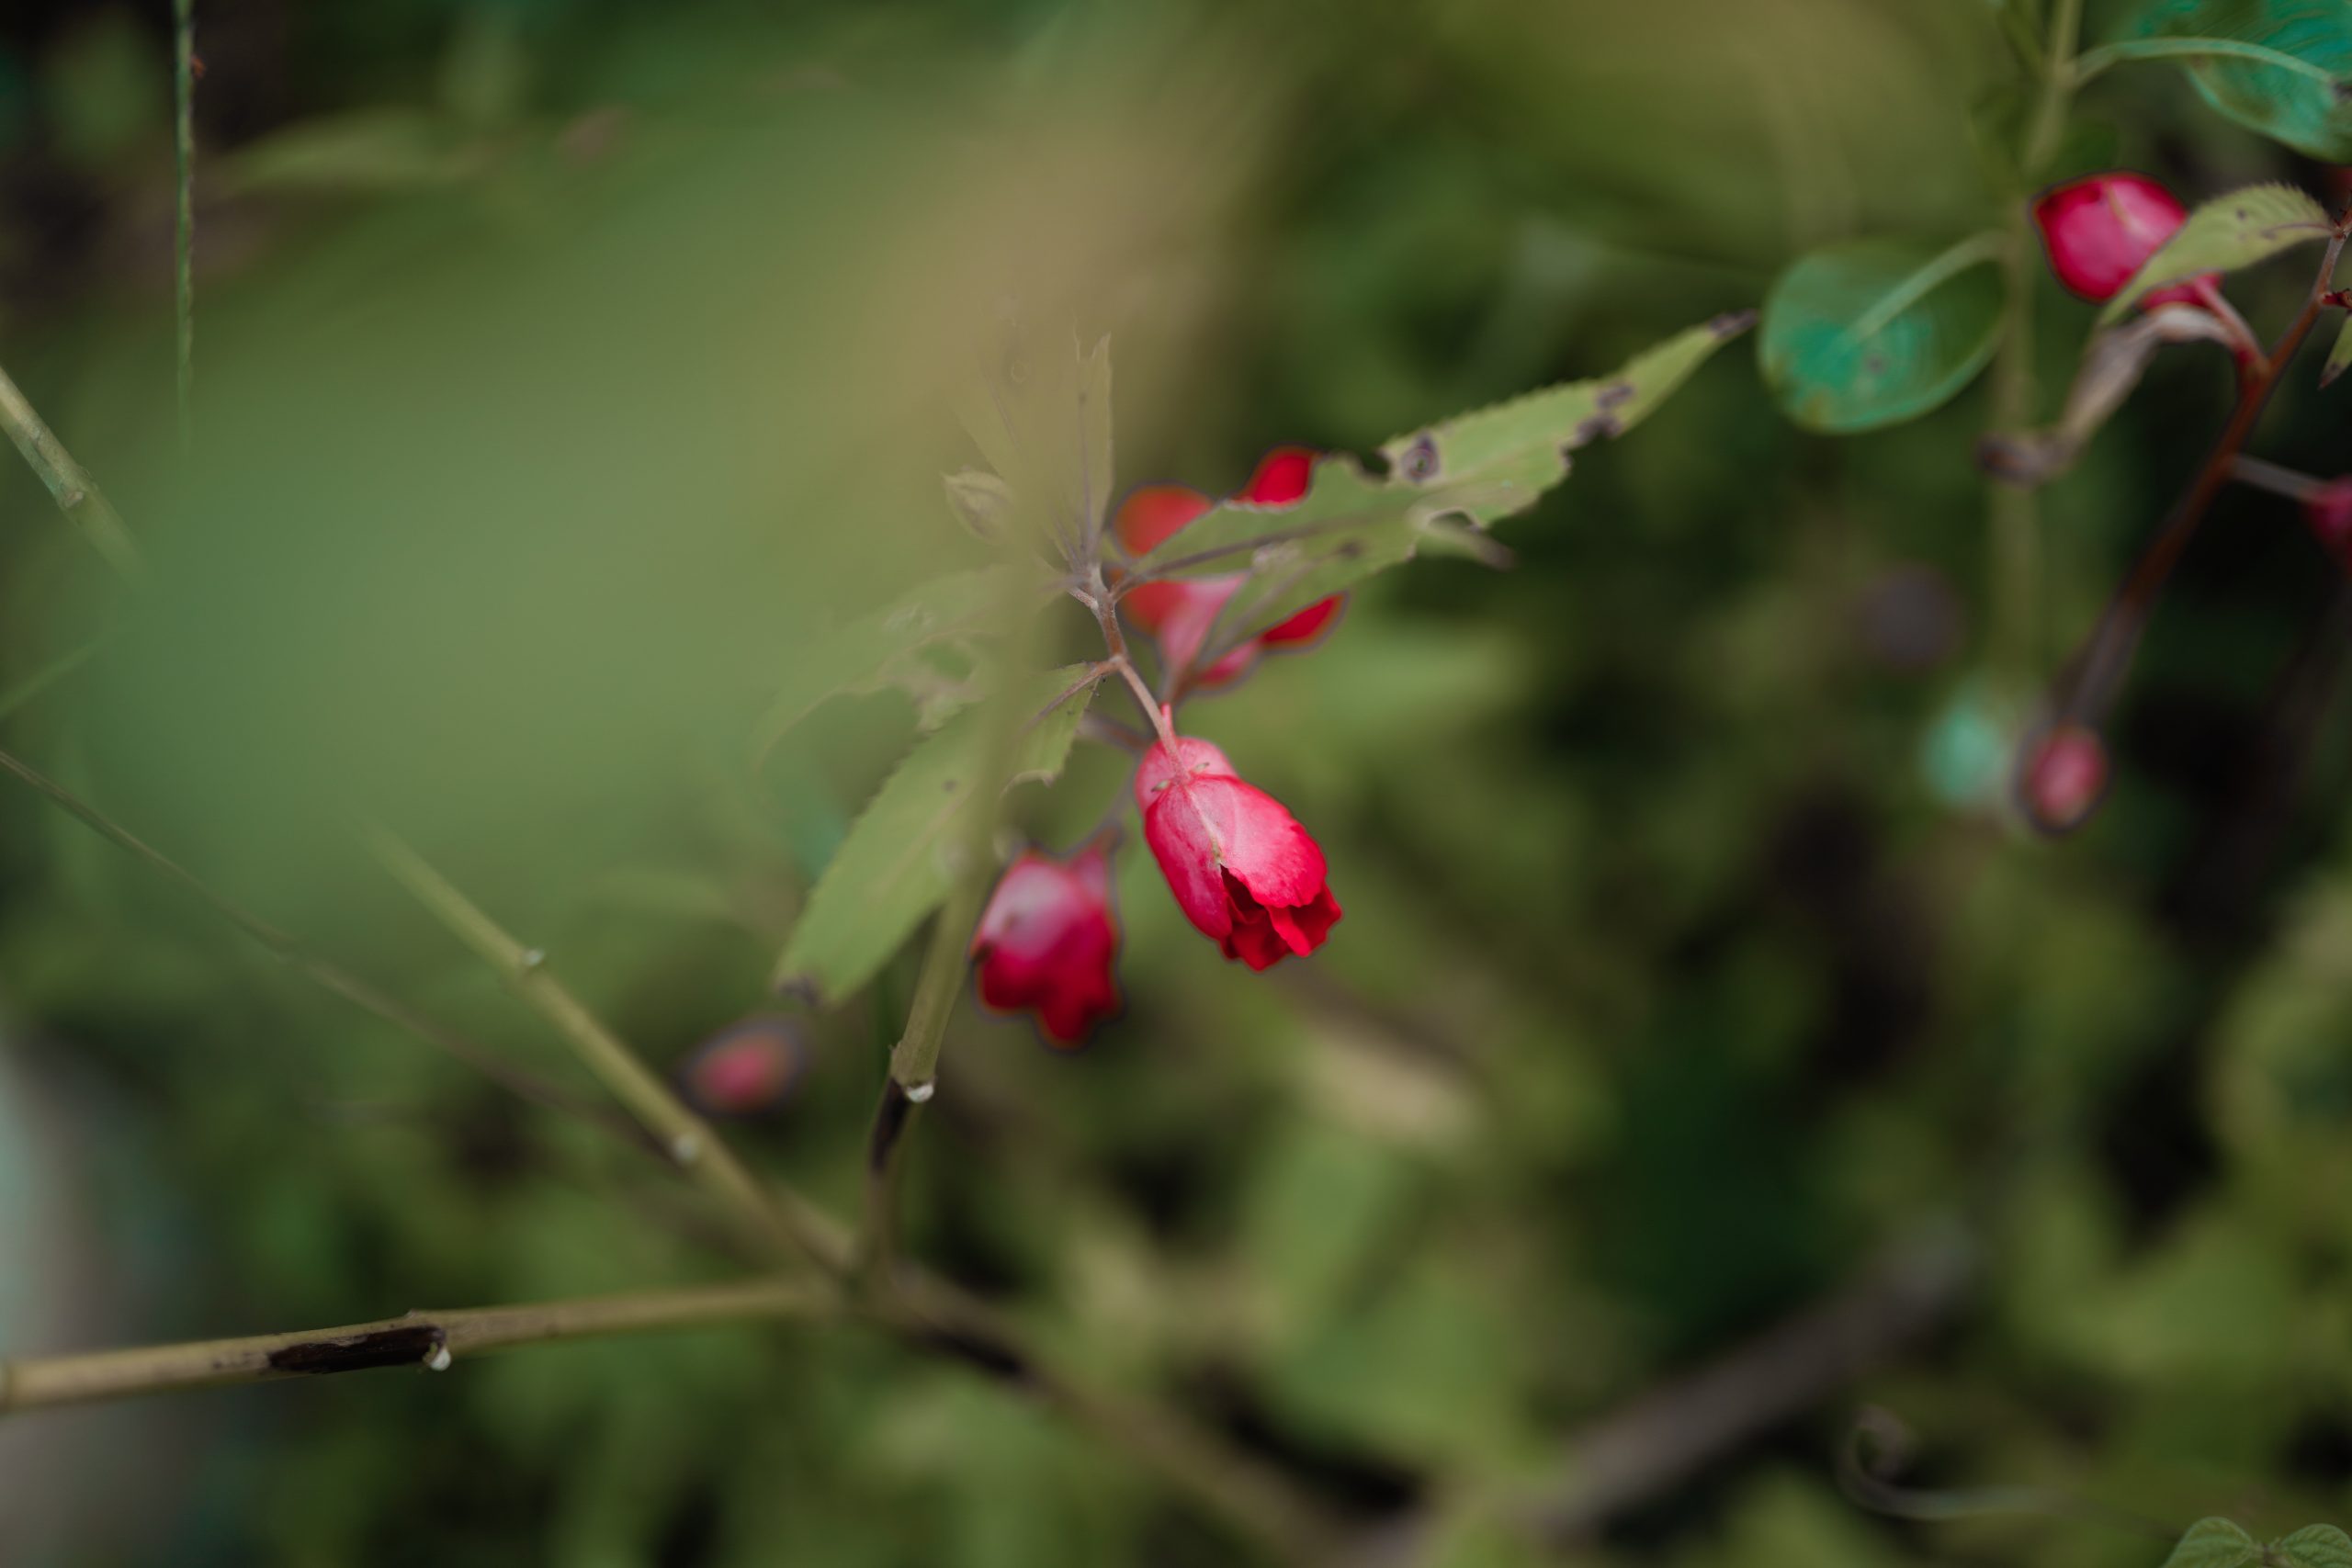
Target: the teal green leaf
(2233, 229)
(2280, 67)
(1880, 331)
(2316, 1546)
(2339, 356)
(1445, 485)
(2214, 1543)
(886, 648)
(898, 862)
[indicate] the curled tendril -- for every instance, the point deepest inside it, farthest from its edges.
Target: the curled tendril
(1880, 1447)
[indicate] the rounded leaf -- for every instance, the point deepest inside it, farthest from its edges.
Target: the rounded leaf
(2316, 1546)
(2214, 1543)
(1875, 332)
(2280, 67)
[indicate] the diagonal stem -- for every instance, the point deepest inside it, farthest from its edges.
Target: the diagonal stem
(782, 1221)
(432, 1340)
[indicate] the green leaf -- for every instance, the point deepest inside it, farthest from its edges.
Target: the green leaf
(1525, 442)
(2233, 229)
(1446, 484)
(886, 648)
(2339, 356)
(1094, 472)
(2316, 1546)
(1044, 424)
(898, 862)
(1875, 332)
(2280, 67)
(2214, 1543)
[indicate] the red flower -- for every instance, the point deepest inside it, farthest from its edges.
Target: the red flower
(1241, 867)
(2100, 229)
(1046, 942)
(1180, 612)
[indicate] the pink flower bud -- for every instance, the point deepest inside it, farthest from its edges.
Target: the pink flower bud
(2061, 777)
(1046, 943)
(746, 1068)
(2328, 513)
(1242, 869)
(2100, 229)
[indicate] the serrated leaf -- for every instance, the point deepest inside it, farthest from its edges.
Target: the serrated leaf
(1874, 333)
(2214, 1543)
(1525, 442)
(1348, 527)
(2235, 229)
(2315, 1546)
(1094, 471)
(2339, 357)
(2279, 67)
(1043, 421)
(1446, 483)
(898, 862)
(883, 649)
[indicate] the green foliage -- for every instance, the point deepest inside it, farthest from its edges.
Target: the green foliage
(2233, 229)
(2220, 1543)
(1878, 331)
(926, 643)
(2280, 67)
(901, 855)
(2339, 353)
(1473, 470)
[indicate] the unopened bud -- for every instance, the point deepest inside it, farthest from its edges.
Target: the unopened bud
(2061, 777)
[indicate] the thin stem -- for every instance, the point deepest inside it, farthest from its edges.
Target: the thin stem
(184, 240)
(2295, 486)
(2058, 80)
(2105, 656)
(1096, 596)
(77, 495)
(428, 1339)
(319, 971)
(771, 1217)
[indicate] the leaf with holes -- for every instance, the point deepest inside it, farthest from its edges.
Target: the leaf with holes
(894, 647)
(2280, 67)
(2315, 1546)
(2232, 231)
(1526, 442)
(1446, 484)
(2214, 1543)
(1875, 332)
(899, 861)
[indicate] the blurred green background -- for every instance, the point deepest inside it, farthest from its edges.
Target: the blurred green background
(564, 366)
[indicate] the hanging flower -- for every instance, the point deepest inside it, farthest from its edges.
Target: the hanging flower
(1046, 943)
(1242, 869)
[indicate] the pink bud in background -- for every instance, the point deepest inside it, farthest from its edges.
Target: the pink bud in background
(1242, 869)
(2328, 513)
(2100, 229)
(1048, 941)
(2062, 776)
(747, 1069)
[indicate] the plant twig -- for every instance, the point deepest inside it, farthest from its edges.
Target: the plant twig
(183, 224)
(319, 971)
(770, 1215)
(2098, 668)
(77, 494)
(428, 1339)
